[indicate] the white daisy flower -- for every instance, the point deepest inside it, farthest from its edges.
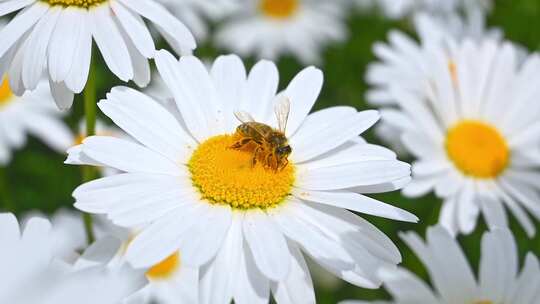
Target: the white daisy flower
(270, 28)
(220, 205)
(33, 113)
(170, 281)
(475, 134)
(402, 63)
(56, 35)
(197, 14)
(499, 279)
(32, 274)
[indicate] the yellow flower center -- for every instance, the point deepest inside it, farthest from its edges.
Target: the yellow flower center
(164, 269)
(78, 3)
(226, 176)
(5, 93)
(477, 149)
(452, 67)
(279, 9)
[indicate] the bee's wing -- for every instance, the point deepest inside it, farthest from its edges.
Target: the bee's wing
(244, 116)
(282, 110)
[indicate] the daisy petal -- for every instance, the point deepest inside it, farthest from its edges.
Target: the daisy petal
(302, 92)
(328, 137)
(15, 29)
(297, 287)
(111, 43)
(130, 110)
(356, 202)
(267, 245)
(351, 175)
(128, 156)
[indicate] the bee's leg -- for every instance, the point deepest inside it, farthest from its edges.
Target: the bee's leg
(239, 144)
(256, 155)
(268, 161)
(284, 164)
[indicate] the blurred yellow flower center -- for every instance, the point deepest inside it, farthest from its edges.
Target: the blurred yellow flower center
(280, 9)
(453, 70)
(483, 302)
(78, 3)
(164, 269)
(226, 176)
(477, 149)
(5, 93)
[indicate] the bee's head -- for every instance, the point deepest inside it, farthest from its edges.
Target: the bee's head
(283, 151)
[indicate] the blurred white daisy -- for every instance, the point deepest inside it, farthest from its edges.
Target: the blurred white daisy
(499, 279)
(56, 35)
(403, 65)
(245, 223)
(396, 9)
(271, 28)
(197, 14)
(33, 113)
(169, 281)
(475, 134)
(32, 274)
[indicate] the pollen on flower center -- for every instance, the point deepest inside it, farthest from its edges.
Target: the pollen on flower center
(78, 3)
(477, 149)
(225, 175)
(5, 92)
(164, 269)
(280, 9)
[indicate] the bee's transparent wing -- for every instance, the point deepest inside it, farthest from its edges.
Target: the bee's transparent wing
(244, 116)
(282, 110)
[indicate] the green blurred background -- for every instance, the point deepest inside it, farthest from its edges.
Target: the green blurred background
(37, 178)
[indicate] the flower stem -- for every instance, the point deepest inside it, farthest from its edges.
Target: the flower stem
(6, 199)
(88, 172)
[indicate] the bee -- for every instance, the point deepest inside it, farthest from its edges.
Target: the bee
(270, 146)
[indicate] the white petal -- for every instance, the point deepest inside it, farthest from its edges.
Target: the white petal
(38, 42)
(9, 228)
(351, 175)
(162, 238)
(211, 229)
(63, 96)
(131, 110)
(135, 28)
(177, 33)
(262, 84)
(252, 287)
(356, 202)
(328, 137)
(218, 282)
(297, 287)
(19, 25)
(110, 42)
(303, 91)
(127, 156)
(80, 68)
(64, 42)
(229, 76)
(267, 245)
(7, 7)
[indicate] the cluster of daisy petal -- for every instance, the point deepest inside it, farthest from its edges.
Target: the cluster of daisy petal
(221, 183)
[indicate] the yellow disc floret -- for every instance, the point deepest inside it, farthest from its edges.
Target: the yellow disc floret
(226, 176)
(164, 269)
(5, 92)
(77, 3)
(477, 149)
(279, 9)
